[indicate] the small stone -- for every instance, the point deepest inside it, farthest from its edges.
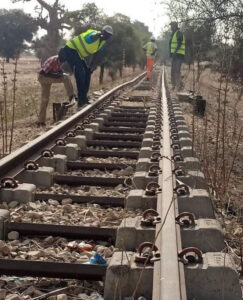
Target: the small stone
(96, 223)
(53, 202)
(119, 187)
(67, 201)
(5, 250)
(34, 254)
(13, 235)
(128, 171)
(49, 239)
(4, 205)
(83, 296)
(13, 254)
(32, 205)
(13, 297)
(62, 297)
(93, 190)
(2, 294)
(29, 291)
(238, 232)
(112, 216)
(26, 242)
(34, 215)
(67, 208)
(13, 204)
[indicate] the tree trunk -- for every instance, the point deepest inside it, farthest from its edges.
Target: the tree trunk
(102, 70)
(120, 72)
(52, 38)
(7, 59)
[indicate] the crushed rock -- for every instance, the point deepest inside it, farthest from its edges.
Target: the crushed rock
(57, 251)
(85, 190)
(52, 212)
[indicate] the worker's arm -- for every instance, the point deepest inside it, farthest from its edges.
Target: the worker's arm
(95, 35)
(95, 61)
(155, 49)
(170, 45)
(145, 47)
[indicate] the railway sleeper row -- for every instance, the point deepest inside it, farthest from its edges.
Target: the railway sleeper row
(44, 173)
(203, 267)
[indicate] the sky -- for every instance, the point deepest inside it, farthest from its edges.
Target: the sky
(150, 12)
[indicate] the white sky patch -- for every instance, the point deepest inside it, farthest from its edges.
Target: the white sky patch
(150, 12)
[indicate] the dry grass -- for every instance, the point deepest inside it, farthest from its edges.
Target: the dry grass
(28, 95)
(224, 173)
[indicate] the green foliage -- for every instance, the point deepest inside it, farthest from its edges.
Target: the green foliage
(124, 42)
(163, 52)
(199, 40)
(143, 35)
(16, 28)
(214, 30)
(90, 16)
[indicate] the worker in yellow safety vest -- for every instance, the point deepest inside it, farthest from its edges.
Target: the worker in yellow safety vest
(150, 48)
(77, 50)
(177, 49)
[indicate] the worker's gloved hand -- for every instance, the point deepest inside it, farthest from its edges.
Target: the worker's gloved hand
(91, 70)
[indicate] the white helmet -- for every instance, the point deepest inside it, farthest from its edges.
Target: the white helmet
(108, 29)
(152, 38)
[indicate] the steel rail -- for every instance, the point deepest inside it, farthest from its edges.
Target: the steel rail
(168, 280)
(13, 163)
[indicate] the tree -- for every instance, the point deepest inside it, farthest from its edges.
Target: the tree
(51, 17)
(213, 24)
(16, 28)
(163, 52)
(123, 41)
(208, 10)
(90, 16)
(143, 34)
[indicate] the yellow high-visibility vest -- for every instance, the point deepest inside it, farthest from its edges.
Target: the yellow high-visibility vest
(150, 49)
(84, 44)
(173, 46)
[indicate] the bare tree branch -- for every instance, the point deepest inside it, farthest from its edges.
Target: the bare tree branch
(45, 5)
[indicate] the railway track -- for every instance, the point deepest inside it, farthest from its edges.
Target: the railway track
(119, 179)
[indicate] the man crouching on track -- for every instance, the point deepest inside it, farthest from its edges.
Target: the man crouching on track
(52, 72)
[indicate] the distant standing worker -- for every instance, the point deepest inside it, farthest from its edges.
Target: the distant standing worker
(150, 49)
(51, 72)
(177, 46)
(77, 50)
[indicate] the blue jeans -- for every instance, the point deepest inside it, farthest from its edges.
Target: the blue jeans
(81, 72)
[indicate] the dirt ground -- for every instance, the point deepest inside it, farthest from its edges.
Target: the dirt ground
(28, 95)
(226, 186)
